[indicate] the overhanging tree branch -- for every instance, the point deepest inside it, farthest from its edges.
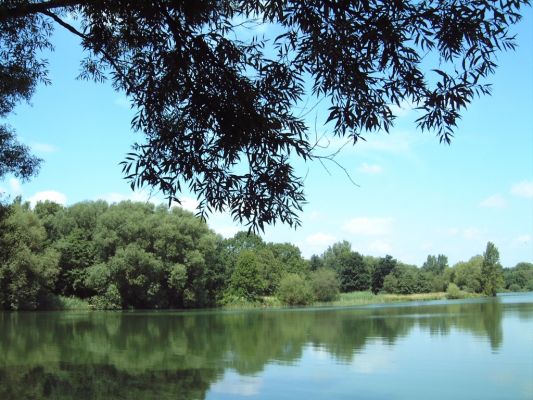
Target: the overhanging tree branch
(88, 40)
(35, 8)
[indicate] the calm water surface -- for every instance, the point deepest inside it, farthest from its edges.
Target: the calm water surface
(477, 349)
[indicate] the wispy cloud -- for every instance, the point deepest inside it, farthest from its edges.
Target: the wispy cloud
(523, 189)
(393, 143)
(14, 187)
(189, 204)
(370, 168)
(453, 231)
(403, 109)
(320, 239)
(396, 143)
(367, 226)
(471, 233)
(226, 231)
(494, 201)
(141, 195)
(379, 246)
(43, 147)
(522, 239)
(51, 195)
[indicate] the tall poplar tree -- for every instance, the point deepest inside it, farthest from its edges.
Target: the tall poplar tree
(491, 270)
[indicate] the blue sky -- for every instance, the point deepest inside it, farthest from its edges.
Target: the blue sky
(414, 197)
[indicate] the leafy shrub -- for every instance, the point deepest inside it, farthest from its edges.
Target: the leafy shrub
(110, 300)
(453, 292)
(515, 287)
(294, 290)
(325, 284)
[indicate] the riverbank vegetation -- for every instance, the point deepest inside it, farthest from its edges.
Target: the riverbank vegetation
(137, 255)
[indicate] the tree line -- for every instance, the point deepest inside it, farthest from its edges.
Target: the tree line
(138, 255)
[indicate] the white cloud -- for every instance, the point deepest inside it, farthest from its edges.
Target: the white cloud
(453, 231)
(320, 239)
(380, 247)
(471, 233)
(51, 195)
(370, 168)
(43, 147)
(369, 226)
(141, 196)
(523, 189)
(394, 143)
(494, 201)
(14, 186)
(145, 196)
(226, 231)
(189, 204)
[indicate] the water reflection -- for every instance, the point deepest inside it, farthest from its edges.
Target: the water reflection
(164, 355)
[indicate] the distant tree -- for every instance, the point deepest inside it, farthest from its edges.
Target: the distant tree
(435, 265)
(520, 278)
(289, 256)
(407, 278)
(47, 212)
(138, 276)
(28, 270)
(248, 280)
(232, 247)
(353, 273)
(390, 284)
(491, 270)
(468, 276)
(219, 111)
(383, 268)
(426, 282)
(336, 254)
(315, 262)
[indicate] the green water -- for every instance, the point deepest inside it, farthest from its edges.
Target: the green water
(481, 349)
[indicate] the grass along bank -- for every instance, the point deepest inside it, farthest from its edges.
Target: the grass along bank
(348, 299)
(343, 300)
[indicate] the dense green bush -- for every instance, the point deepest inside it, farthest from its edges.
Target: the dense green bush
(294, 290)
(324, 284)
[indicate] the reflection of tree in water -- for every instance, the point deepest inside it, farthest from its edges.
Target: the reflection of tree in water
(80, 381)
(187, 352)
(479, 318)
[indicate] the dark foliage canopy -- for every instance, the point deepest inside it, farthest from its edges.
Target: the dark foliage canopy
(218, 112)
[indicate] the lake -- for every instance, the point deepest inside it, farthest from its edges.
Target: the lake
(462, 349)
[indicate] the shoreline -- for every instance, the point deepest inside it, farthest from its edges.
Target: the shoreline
(349, 299)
